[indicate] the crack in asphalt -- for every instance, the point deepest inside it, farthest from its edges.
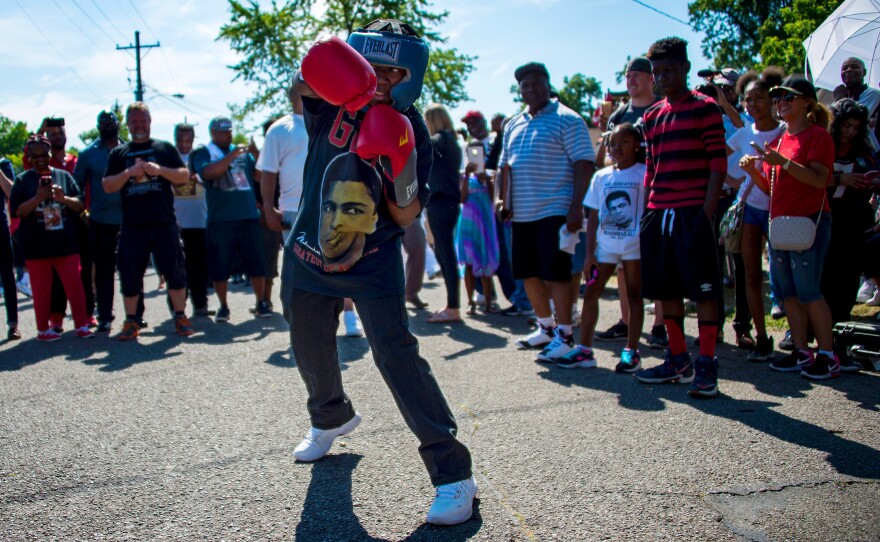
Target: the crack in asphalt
(517, 518)
(807, 485)
(750, 534)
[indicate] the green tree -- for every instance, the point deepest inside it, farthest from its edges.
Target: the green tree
(784, 34)
(13, 135)
(92, 134)
(578, 93)
(756, 33)
(272, 41)
(733, 28)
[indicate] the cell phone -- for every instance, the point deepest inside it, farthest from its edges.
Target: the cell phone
(45, 180)
(757, 147)
(54, 122)
(477, 155)
(594, 275)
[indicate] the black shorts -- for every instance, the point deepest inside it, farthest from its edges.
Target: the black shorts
(679, 255)
(272, 242)
(536, 253)
(133, 254)
(226, 239)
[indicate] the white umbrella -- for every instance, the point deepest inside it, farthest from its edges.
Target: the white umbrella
(853, 30)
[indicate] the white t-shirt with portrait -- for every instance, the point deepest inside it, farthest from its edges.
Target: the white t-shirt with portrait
(740, 144)
(618, 195)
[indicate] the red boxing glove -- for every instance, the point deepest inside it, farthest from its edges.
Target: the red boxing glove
(339, 74)
(388, 135)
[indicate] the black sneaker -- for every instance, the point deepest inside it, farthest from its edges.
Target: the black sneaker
(630, 362)
(705, 382)
(823, 368)
(513, 310)
(849, 365)
(222, 314)
(787, 343)
(794, 362)
(659, 339)
(262, 310)
(674, 369)
(103, 327)
(204, 311)
(763, 350)
(613, 333)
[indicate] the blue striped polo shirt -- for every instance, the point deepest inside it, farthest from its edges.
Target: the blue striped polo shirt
(541, 151)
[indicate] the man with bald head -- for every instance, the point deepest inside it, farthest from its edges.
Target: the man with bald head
(852, 73)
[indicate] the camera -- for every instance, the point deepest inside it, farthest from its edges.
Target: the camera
(707, 73)
(54, 122)
(706, 90)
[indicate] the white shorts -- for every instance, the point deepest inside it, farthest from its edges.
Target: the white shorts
(617, 257)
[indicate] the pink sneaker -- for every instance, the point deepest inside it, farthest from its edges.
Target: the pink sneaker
(48, 336)
(84, 332)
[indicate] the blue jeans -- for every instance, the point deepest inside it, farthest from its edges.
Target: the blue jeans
(799, 274)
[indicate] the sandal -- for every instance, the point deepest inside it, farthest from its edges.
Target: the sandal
(492, 308)
(472, 308)
(443, 317)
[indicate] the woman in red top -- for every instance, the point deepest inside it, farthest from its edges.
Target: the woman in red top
(798, 165)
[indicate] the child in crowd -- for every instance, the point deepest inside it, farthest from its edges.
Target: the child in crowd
(477, 236)
(614, 202)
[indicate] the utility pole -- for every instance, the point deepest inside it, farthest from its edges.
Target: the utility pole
(139, 87)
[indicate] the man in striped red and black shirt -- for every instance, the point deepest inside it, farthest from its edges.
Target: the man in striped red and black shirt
(686, 167)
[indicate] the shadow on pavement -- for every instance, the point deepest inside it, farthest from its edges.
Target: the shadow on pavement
(846, 456)
(328, 511)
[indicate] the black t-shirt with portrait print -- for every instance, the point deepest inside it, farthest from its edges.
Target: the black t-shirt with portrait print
(147, 200)
(377, 270)
(50, 230)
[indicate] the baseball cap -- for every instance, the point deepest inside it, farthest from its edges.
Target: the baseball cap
(796, 85)
(531, 67)
(220, 124)
(639, 64)
(472, 115)
(728, 76)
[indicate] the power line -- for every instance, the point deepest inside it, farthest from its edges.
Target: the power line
(91, 20)
(52, 45)
(652, 8)
(74, 23)
(155, 37)
(109, 20)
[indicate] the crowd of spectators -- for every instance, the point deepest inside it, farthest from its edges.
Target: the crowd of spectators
(529, 203)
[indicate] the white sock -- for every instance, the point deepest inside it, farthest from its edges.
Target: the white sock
(547, 322)
(564, 328)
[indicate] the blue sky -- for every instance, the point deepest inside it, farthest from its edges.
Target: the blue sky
(60, 58)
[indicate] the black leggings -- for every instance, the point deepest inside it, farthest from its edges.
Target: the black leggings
(7, 274)
(443, 212)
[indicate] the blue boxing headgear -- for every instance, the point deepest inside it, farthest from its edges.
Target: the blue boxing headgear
(387, 42)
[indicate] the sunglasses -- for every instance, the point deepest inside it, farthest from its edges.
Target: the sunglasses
(787, 98)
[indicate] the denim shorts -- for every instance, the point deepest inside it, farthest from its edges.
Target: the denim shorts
(797, 274)
(757, 217)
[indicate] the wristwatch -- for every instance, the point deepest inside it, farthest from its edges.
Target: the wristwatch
(785, 165)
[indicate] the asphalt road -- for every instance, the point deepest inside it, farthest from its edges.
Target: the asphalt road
(178, 438)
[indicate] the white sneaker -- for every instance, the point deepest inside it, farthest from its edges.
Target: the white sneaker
(317, 442)
(875, 300)
(480, 299)
(353, 326)
(540, 338)
(867, 291)
(777, 312)
(650, 308)
(558, 347)
(453, 503)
